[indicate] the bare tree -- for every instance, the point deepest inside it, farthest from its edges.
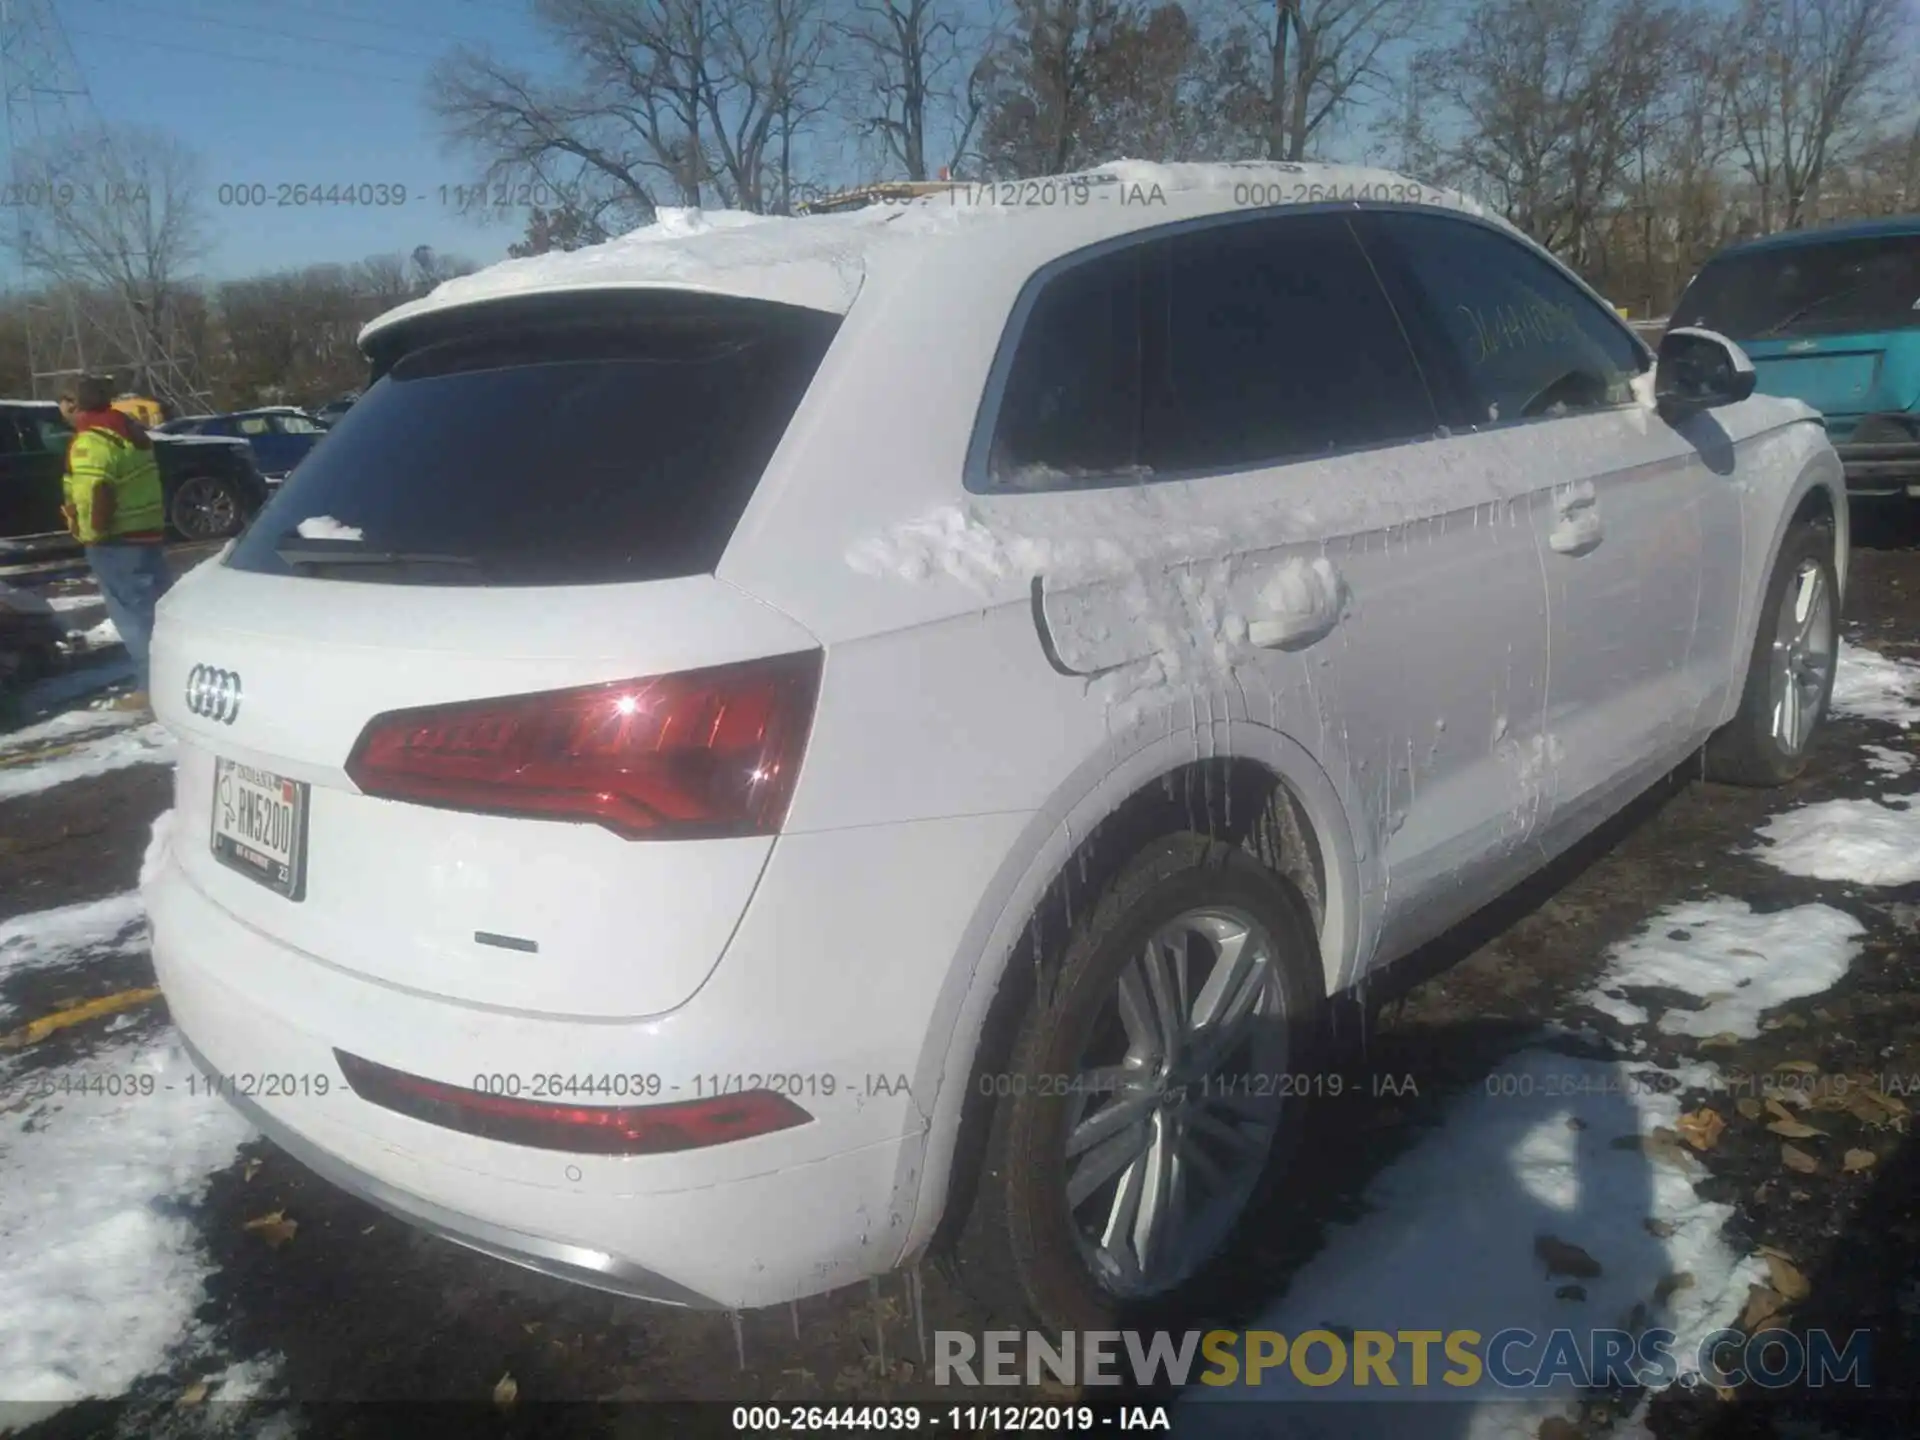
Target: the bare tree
(1804, 80)
(670, 98)
(1549, 104)
(905, 64)
(1323, 56)
(117, 225)
(764, 91)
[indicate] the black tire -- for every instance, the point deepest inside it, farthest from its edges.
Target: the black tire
(1017, 1251)
(1745, 751)
(206, 507)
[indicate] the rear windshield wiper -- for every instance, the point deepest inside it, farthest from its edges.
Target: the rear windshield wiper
(351, 552)
(1811, 306)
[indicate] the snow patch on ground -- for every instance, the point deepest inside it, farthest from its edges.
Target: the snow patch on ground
(148, 745)
(1884, 761)
(74, 602)
(1741, 963)
(66, 726)
(71, 933)
(105, 633)
(23, 602)
(1868, 842)
(325, 527)
(1449, 1240)
(245, 1379)
(100, 1270)
(1870, 686)
(1450, 1243)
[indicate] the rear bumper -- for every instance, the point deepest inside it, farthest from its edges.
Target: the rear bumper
(577, 1263)
(836, 1022)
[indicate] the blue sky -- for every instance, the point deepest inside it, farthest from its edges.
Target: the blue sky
(326, 92)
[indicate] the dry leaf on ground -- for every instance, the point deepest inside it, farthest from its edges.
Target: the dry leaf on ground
(1795, 1129)
(1794, 1158)
(506, 1390)
(1562, 1258)
(1858, 1160)
(1672, 1285)
(274, 1228)
(1791, 1284)
(1763, 1304)
(1701, 1128)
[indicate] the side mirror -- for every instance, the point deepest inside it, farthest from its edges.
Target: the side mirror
(1700, 370)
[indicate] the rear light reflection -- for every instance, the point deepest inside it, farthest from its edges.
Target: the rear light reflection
(704, 753)
(577, 1129)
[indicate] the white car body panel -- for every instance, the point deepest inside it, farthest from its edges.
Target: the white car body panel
(1457, 656)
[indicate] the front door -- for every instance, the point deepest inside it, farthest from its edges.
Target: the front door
(1636, 523)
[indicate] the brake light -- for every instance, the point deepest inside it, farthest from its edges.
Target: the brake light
(706, 753)
(578, 1129)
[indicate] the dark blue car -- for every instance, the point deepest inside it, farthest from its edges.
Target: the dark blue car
(1831, 316)
(280, 435)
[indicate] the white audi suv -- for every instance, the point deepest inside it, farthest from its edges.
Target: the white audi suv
(768, 747)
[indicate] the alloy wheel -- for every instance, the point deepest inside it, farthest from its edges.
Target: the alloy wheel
(204, 509)
(1175, 1101)
(1803, 657)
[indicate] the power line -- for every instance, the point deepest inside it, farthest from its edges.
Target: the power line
(275, 31)
(345, 18)
(303, 66)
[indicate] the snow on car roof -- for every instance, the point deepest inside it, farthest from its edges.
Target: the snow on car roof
(820, 261)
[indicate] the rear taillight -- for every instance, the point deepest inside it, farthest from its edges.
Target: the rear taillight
(705, 753)
(579, 1129)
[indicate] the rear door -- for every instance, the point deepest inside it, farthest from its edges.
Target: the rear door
(1337, 568)
(1638, 525)
(31, 490)
(477, 588)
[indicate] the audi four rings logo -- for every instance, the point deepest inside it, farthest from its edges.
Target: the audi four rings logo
(214, 694)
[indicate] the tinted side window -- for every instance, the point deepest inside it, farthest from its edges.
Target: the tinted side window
(1217, 348)
(1279, 343)
(1070, 409)
(1530, 342)
(50, 433)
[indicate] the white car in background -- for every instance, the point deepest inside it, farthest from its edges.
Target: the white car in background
(773, 745)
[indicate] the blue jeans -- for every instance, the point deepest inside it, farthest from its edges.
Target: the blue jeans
(132, 579)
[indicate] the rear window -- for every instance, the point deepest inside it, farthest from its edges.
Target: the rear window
(596, 441)
(1808, 290)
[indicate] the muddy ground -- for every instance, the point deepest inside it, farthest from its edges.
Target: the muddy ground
(359, 1307)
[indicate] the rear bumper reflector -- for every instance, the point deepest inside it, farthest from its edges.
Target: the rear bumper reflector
(577, 1129)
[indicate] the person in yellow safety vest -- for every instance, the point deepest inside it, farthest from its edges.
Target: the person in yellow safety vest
(114, 507)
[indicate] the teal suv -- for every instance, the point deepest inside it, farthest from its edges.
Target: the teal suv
(1831, 316)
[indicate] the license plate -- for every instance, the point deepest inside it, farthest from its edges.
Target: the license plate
(260, 826)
